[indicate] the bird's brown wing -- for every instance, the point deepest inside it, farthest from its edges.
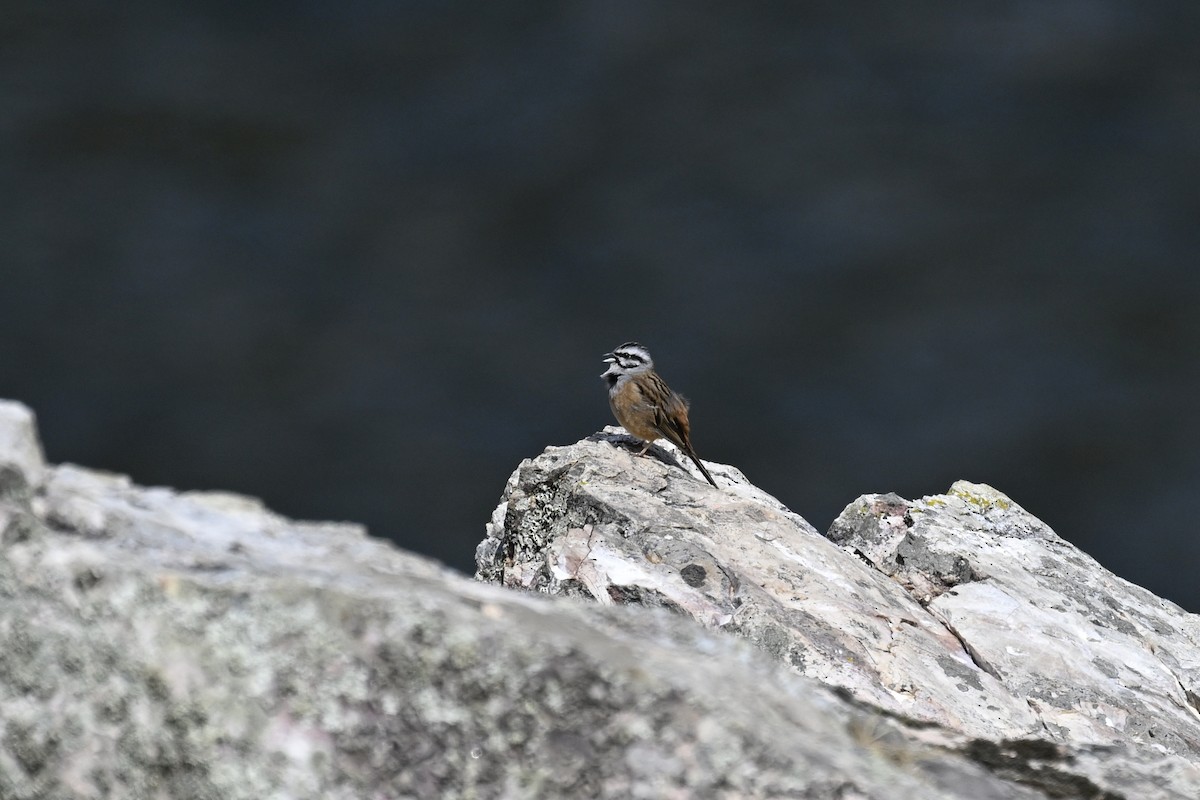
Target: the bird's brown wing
(670, 419)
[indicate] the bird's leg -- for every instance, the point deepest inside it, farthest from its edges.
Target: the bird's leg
(645, 447)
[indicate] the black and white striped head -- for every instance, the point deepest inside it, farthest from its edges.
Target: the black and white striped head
(628, 359)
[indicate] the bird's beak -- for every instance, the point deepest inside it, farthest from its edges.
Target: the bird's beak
(609, 359)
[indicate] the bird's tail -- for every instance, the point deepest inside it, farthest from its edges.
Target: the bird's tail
(695, 459)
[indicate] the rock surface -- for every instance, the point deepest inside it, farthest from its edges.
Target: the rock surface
(196, 645)
(960, 616)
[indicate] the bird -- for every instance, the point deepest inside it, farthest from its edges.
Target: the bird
(643, 403)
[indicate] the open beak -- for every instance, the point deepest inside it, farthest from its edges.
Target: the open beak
(609, 359)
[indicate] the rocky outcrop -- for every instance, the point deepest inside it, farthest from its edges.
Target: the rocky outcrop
(196, 645)
(960, 617)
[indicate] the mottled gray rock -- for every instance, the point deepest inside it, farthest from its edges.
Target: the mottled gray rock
(597, 520)
(961, 615)
(20, 449)
(159, 644)
(1100, 660)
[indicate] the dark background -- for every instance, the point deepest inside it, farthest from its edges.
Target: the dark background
(360, 259)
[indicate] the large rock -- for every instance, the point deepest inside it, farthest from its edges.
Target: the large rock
(196, 645)
(960, 613)
(1098, 660)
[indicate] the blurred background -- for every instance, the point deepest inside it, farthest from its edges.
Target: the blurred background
(360, 259)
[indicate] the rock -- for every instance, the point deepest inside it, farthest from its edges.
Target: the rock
(1100, 661)
(22, 468)
(961, 616)
(196, 645)
(20, 449)
(601, 522)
